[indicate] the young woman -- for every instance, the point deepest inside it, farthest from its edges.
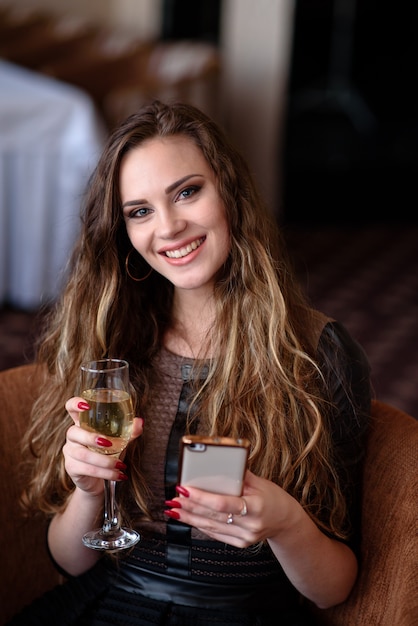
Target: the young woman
(180, 270)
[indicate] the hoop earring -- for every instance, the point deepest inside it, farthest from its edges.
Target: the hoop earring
(137, 280)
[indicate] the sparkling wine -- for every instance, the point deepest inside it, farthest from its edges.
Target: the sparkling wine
(110, 415)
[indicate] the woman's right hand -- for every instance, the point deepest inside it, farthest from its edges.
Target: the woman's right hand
(86, 467)
(84, 508)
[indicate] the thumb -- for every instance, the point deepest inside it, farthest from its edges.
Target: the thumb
(137, 428)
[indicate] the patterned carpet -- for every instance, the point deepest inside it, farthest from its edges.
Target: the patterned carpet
(366, 278)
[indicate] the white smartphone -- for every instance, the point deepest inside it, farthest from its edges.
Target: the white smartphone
(215, 464)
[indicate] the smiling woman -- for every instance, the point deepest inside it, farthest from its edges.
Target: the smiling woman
(175, 218)
(221, 342)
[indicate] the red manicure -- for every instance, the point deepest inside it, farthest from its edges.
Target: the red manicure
(122, 476)
(121, 466)
(182, 491)
(175, 504)
(83, 406)
(172, 514)
(105, 443)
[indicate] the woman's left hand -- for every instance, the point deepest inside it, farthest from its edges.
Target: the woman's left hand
(240, 521)
(321, 568)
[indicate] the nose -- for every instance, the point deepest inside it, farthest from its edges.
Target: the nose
(170, 225)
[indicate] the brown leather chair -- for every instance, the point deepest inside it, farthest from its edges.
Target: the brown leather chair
(26, 570)
(386, 592)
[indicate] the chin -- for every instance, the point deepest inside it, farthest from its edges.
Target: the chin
(189, 285)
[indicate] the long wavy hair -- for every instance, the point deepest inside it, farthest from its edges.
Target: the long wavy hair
(263, 383)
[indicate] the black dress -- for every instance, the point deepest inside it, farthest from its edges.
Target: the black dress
(178, 576)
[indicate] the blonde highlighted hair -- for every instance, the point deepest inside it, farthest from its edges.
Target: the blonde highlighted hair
(264, 383)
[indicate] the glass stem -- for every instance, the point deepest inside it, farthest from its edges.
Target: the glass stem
(111, 515)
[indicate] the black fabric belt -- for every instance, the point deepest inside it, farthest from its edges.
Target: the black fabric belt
(184, 591)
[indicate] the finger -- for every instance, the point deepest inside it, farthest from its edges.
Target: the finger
(88, 472)
(80, 462)
(218, 528)
(88, 438)
(234, 530)
(74, 406)
(215, 505)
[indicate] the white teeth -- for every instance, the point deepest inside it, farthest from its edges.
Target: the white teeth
(177, 254)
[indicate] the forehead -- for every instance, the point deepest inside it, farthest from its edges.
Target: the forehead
(162, 160)
(164, 149)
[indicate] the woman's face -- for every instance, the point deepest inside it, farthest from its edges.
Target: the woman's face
(174, 215)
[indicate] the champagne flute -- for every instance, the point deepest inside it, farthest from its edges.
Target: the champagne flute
(105, 387)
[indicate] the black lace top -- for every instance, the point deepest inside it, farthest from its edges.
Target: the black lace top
(174, 560)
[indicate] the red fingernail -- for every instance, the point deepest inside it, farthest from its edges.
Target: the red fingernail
(120, 465)
(173, 514)
(122, 476)
(83, 406)
(182, 491)
(105, 443)
(175, 504)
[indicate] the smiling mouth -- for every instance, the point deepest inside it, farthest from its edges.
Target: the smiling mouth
(181, 252)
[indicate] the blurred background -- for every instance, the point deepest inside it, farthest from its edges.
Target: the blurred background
(319, 95)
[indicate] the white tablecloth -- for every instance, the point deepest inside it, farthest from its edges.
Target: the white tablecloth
(50, 140)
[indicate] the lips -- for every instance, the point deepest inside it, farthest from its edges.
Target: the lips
(185, 250)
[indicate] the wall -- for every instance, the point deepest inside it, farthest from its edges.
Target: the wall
(255, 45)
(97, 10)
(138, 17)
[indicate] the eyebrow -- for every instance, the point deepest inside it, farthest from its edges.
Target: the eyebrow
(179, 182)
(167, 190)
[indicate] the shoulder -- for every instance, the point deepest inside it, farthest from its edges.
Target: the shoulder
(338, 347)
(346, 370)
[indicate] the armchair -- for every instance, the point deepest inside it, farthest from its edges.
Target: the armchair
(386, 592)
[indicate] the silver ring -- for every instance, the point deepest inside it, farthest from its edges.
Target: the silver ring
(244, 509)
(230, 518)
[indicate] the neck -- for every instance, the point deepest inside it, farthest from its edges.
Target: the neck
(192, 318)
